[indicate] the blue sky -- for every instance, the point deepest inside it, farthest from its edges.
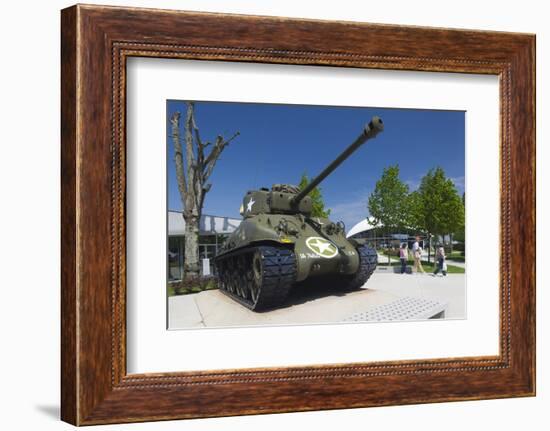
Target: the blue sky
(278, 143)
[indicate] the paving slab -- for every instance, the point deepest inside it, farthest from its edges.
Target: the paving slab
(406, 308)
(450, 289)
(183, 312)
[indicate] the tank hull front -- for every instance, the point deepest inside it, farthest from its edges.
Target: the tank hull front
(318, 250)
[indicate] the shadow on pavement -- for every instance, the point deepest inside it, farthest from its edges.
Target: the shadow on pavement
(305, 292)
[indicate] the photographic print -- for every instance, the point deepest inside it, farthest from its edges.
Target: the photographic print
(297, 214)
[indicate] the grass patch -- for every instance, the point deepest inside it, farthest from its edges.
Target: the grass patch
(457, 259)
(171, 290)
(457, 256)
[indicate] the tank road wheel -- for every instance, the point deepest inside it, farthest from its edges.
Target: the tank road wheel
(223, 276)
(246, 278)
(368, 259)
(228, 285)
(240, 274)
(251, 285)
(221, 282)
(232, 282)
(257, 275)
(225, 280)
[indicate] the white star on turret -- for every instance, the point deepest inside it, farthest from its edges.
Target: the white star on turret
(249, 204)
(322, 246)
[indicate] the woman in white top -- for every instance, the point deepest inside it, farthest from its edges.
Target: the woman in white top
(403, 257)
(417, 256)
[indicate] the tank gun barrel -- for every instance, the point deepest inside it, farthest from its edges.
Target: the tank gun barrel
(370, 131)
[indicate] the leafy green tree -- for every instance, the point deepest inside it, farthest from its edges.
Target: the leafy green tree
(389, 204)
(460, 234)
(316, 196)
(439, 209)
(415, 211)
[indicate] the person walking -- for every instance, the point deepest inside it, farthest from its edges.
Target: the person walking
(417, 256)
(403, 257)
(440, 256)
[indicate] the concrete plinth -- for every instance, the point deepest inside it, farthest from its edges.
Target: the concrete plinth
(313, 306)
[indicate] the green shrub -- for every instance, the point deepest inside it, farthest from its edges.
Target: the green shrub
(192, 285)
(459, 247)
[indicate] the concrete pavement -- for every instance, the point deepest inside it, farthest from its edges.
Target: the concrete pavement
(310, 305)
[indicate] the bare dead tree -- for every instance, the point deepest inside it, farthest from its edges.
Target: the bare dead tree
(192, 174)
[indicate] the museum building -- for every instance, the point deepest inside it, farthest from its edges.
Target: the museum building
(379, 237)
(213, 231)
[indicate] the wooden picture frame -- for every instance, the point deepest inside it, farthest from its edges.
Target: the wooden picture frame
(95, 43)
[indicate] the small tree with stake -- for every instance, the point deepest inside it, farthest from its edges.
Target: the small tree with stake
(193, 169)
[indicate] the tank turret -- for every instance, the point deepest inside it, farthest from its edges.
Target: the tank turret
(278, 244)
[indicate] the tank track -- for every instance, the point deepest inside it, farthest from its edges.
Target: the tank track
(257, 277)
(368, 259)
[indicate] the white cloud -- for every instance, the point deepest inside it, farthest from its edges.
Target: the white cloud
(351, 212)
(413, 184)
(459, 182)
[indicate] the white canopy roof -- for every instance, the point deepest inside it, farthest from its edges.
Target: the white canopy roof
(209, 225)
(362, 226)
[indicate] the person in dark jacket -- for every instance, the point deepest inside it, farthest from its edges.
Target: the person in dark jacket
(440, 256)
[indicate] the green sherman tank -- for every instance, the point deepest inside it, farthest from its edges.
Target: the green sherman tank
(279, 244)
